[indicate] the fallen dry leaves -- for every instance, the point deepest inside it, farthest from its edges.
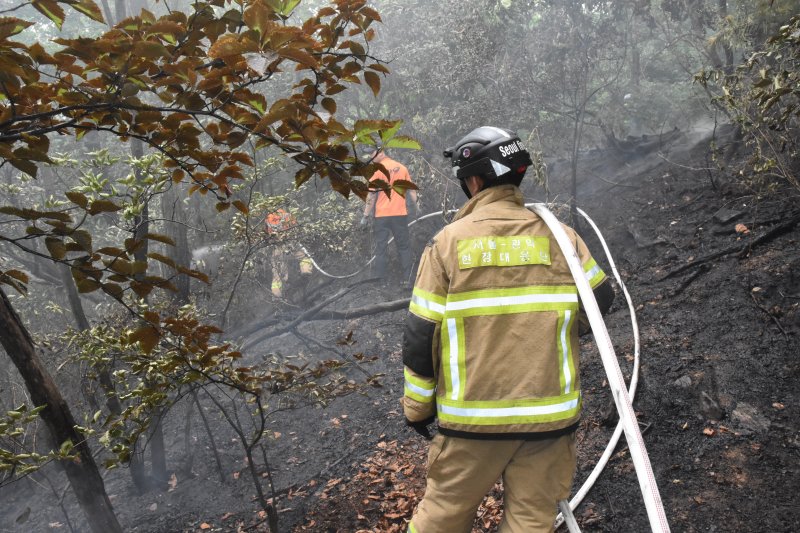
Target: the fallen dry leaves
(382, 496)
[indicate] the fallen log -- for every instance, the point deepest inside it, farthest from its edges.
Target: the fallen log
(384, 307)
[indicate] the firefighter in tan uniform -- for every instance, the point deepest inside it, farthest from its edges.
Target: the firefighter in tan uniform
(491, 349)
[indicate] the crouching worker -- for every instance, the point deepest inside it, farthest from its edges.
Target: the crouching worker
(491, 349)
(287, 258)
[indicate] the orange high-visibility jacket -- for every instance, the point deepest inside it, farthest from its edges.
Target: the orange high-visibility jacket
(393, 205)
(278, 221)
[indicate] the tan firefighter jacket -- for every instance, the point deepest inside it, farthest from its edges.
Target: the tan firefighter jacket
(501, 360)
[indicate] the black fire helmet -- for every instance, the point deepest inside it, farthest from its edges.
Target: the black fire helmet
(495, 154)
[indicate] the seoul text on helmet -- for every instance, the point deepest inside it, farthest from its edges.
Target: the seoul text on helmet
(497, 155)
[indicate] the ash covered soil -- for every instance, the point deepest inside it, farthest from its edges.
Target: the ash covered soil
(717, 400)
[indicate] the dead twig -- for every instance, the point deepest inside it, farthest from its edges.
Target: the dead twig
(688, 281)
(741, 249)
(771, 234)
(210, 436)
(773, 317)
(306, 339)
(615, 184)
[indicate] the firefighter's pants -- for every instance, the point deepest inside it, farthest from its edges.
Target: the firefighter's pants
(536, 474)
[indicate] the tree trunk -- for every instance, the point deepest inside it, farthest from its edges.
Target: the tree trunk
(107, 12)
(158, 471)
(103, 373)
(177, 230)
(635, 66)
(137, 466)
(84, 477)
(158, 454)
(119, 10)
(74, 298)
(576, 143)
(722, 7)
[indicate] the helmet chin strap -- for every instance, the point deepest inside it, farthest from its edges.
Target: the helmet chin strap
(465, 188)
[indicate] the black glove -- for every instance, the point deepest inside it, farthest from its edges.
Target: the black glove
(412, 209)
(421, 427)
(364, 222)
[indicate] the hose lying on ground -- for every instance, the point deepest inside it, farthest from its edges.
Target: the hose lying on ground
(371, 259)
(627, 416)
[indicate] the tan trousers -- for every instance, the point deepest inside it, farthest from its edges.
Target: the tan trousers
(536, 474)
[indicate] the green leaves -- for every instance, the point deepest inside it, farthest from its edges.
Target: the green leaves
(401, 141)
(13, 457)
(763, 97)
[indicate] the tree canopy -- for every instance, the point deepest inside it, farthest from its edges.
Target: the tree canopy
(195, 87)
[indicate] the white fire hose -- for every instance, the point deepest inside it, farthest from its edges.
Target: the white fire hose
(612, 443)
(627, 416)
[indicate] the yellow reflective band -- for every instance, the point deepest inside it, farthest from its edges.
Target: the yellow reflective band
(516, 291)
(276, 284)
(506, 301)
(427, 305)
(419, 389)
(411, 528)
(452, 368)
(504, 412)
(462, 358)
(409, 393)
(594, 274)
(418, 381)
(502, 251)
(567, 364)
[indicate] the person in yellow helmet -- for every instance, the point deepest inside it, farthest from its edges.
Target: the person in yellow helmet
(276, 225)
(490, 349)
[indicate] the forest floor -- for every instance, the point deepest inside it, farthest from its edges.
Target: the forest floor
(714, 274)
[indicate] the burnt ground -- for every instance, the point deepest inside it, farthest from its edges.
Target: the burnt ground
(719, 319)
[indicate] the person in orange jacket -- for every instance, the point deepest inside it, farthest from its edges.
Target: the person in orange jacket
(390, 213)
